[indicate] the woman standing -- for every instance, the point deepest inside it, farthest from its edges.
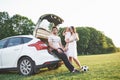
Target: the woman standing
(72, 46)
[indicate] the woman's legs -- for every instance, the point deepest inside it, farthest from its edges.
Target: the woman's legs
(77, 62)
(70, 59)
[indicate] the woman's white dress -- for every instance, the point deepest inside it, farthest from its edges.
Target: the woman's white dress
(67, 35)
(72, 47)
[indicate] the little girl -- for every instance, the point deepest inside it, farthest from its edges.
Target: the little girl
(67, 35)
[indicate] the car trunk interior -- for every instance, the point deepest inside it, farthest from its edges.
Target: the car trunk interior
(45, 24)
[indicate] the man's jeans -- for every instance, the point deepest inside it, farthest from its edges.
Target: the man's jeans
(64, 59)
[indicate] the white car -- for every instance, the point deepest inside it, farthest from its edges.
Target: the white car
(28, 53)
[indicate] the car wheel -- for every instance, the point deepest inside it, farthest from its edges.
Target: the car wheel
(26, 66)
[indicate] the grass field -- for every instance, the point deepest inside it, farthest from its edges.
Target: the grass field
(102, 67)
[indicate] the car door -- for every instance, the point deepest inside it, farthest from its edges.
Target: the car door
(2, 44)
(11, 52)
(0, 60)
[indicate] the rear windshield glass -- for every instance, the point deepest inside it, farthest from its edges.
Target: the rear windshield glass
(25, 39)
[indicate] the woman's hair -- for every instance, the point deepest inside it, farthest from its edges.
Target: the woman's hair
(73, 28)
(67, 28)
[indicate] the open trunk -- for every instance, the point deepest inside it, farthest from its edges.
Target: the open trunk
(45, 24)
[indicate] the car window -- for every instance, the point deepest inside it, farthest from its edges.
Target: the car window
(14, 42)
(2, 43)
(25, 39)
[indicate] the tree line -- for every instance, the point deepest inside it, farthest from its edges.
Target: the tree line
(15, 25)
(91, 40)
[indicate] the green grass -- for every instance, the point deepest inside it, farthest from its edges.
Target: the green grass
(101, 67)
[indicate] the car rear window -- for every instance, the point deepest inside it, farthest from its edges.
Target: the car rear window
(25, 39)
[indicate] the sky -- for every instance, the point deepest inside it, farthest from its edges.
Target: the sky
(103, 15)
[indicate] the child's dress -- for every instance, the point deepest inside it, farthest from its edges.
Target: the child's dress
(72, 47)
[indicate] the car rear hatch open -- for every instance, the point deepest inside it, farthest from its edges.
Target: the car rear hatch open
(45, 24)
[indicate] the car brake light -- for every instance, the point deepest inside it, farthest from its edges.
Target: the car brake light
(39, 45)
(47, 63)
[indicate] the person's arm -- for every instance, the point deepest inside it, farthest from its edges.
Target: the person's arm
(61, 46)
(70, 40)
(51, 45)
(67, 40)
(63, 33)
(76, 38)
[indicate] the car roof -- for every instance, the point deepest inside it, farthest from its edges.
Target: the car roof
(30, 36)
(23, 36)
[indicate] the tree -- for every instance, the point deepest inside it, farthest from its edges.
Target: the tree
(97, 43)
(22, 25)
(16, 25)
(111, 47)
(61, 35)
(84, 36)
(5, 28)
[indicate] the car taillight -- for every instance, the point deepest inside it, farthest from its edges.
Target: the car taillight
(39, 45)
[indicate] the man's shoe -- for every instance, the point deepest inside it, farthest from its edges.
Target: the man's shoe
(76, 71)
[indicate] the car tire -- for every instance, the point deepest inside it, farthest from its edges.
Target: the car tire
(26, 66)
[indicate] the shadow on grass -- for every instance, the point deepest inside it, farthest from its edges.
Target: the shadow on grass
(8, 72)
(16, 72)
(51, 74)
(57, 75)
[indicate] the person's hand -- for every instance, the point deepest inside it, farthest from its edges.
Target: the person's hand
(65, 49)
(67, 40)
(59, 51)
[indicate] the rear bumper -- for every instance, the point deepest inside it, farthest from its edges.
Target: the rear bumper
(49, 63)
